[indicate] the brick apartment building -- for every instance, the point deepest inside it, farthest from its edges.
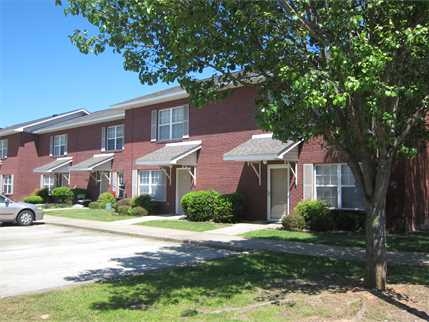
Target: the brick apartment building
(157, 144)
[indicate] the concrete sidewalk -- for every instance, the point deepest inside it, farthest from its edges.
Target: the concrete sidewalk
(237, 243)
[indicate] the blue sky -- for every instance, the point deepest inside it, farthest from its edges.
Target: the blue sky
(42, 73)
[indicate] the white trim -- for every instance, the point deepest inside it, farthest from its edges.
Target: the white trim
(171, 123)
(184, 143)
(277, 166)
(103, 155)
(177, 187)
(153, 100)
(252, 157)
(262, 136)
(184, 155)
(66, 161)
(282, 154)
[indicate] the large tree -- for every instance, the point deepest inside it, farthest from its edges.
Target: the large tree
(354, 72)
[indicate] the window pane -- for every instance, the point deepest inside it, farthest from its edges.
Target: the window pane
(326, 175)
(164, 117)
(120, 131)
(144, 190)
(178, 114)
(119, 144)
(111, 132)
(177, 131)
(111, 144)
(158, 192)
(347, 177)
(328, 195)
(144, 177)
(352, 197)
(164, 132)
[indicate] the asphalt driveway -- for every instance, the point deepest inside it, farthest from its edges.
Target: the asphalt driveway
(43, 257)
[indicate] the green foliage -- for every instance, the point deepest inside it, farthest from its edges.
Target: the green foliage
(238, 203)
(106, 198)
(224, 210)
(44, 194)
(95, 205)
(33, 199)
(316, 215)
(294, 221)
(348, 220)
(123, 209)
(125, 202)
(63, 195)
(80, 193)
(144, 201)
(200, 205)
(138, 211)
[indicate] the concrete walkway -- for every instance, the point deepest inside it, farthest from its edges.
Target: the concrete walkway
(138, 220)
(237, 243)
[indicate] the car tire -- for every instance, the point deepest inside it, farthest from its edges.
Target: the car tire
(25, 218)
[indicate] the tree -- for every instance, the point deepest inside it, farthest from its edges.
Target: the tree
(354, 72)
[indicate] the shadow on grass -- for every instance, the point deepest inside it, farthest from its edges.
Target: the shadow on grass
(219, 280)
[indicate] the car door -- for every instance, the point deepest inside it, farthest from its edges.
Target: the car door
(7, 213)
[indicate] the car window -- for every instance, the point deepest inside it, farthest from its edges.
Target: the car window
(2, 199)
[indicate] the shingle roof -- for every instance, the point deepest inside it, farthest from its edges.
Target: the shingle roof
(259, 148)
(93, 162)
(170, 154)
(92, 118)
(54, 166)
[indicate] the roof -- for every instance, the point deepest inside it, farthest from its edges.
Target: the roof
(170, 154)
(57, 165)
(260, 148)
(92, 163)
(92, 118)
(34, 125)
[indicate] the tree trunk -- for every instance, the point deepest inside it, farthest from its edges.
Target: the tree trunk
(376, 269)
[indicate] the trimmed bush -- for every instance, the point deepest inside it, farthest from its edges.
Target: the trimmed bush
(144, 201)
(294, 221)
(200, 205)
(44, 194)
(348, 220)
(138, 211)
(237, 200)
(63, 195)
(316, 215)
(94, 205)
(123, 210)
(106, 198)
(125, 202)
(33, 199)
(80, 193)
(224, 210)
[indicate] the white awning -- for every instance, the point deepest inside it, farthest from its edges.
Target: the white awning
(60, 165)
(97, 162)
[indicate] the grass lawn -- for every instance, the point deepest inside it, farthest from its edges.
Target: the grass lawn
(256, 287)
(184, 225)
(413, 242)
(86, 213)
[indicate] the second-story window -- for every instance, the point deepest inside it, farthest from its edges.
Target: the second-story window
(114, 138)
(59, 145)
(172, 123)
(3, 149)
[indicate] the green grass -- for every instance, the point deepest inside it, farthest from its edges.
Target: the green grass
(184, 225)
(413, 242)
(90, 214)
(230, 289)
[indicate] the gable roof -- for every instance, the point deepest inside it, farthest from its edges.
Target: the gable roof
(34, 125)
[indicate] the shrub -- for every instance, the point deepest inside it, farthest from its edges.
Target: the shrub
(80, 193)
(294, 221)
(348, 220)
(63, 195)
(200, 205)
(123, 210)
(316, 215)
(94, 205)
(106, 198)
(33, 199)
(238, 203)
(44, 194)
(138, 211)
(223, 210)
(144, 201)
(125, 202)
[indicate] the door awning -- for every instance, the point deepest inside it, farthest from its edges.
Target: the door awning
(98, 162)
(183, 153)
(263, 147)
(60, 165)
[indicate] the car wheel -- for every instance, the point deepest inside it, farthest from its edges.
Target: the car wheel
(25, 218)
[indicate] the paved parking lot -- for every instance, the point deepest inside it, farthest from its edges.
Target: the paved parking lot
(42, 257)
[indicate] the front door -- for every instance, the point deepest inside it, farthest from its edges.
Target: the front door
(183, 186)
(278, 191)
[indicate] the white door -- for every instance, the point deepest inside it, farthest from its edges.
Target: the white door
(278, 191)
(183, 186)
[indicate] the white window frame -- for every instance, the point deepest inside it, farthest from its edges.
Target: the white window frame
(115, 138)
(7, 184)
(3, 148)
(150, 185)
(58, 142)
(339, 184)
(170, 123)
(49, 183)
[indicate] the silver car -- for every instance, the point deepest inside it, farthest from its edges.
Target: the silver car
(24, 214)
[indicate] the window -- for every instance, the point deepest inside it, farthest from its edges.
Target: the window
(3, 148)
(335, 184)
(171, 123)
(7, 184)
(153, 183)
(59, 145)
(121, 185)
(50, 181)
(115, 138)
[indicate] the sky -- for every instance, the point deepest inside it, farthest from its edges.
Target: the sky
(42, 73)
